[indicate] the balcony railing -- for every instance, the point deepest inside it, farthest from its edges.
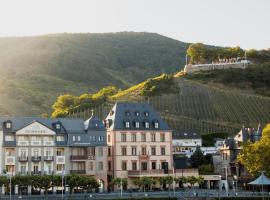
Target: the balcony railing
(48, 158)
(48, 143)
(153, 172)
(10, 160)
(23, 158)
(35, 143)
(22, 143)
(78, 171)
(60, 159)
(36, 172)
(82, 157)
(36, 158)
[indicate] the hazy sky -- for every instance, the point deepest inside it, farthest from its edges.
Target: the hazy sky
(218, 22)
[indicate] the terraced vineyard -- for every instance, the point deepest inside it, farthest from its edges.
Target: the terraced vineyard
(203, 108)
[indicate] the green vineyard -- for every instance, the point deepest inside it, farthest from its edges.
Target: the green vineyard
(205, 109)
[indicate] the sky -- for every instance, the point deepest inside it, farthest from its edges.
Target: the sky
(244, 23)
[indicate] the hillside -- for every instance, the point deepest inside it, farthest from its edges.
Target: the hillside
(205, 108)
(35, 70)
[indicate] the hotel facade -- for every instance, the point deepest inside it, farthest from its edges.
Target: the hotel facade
(139, 142)
(54, 146)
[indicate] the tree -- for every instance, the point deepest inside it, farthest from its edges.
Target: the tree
(181, 181)
(166, 180)
(256, 156)
(74, 181)
(3, 180)
(89, 183)
(192, 180)
(197, 158)
(117, 182)
(200, 181)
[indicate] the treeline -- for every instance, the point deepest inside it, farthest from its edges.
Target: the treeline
(45, 182)
(68, 104)
(256, 77)
(200, 54)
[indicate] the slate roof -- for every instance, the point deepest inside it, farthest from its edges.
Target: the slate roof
(134, 112)
(94, 123)
(189, 134)
(68, 124)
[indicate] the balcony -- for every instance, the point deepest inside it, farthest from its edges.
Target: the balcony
(60, 159)
(36, 172)
(48, 158)
(10, 160)
(48, 143)
(23, 158)
(35, 143)
(36, 158)
(82, 171)
(151, 173)
(82, 157)
(22, 143)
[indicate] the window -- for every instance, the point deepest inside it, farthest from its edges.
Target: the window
(124, 165)
(60, 167)
(8, 125)
(94, 138)
(60, 138)
(133, 138)
(156, 125)
(137, 113)
(162, 137)
(23, 153)
(100, 151)
(144, 165)
(109, 151)
(9, 138)
(143, 150)
(153, 151)
(146, 114)
(134, 151)
(123, 137)
(73, 138)
(146, 124)
(137, 124)
(153, 137)
(109, 165)
(57, 126)
(23, 169)
(59, 152)
(154, 165)
(127, 113)
(143, 137)
(134, 165)
(124, 151)
(79, 138)
(162, 151)
(91, 166)
(127, 125)
(100, 166)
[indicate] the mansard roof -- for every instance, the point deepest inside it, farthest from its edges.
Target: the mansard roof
(68, 125)
(141, 113)
(94, 123)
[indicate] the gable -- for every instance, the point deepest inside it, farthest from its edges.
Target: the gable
(35, 128)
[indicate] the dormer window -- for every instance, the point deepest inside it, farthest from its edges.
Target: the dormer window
(146, 114)
(57, 126)
(146, 124)
(137, 113)
(127, 124)
(137, 124)
(8, 125)
(127, 113)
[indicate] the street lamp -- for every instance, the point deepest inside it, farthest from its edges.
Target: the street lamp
(235, 180)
